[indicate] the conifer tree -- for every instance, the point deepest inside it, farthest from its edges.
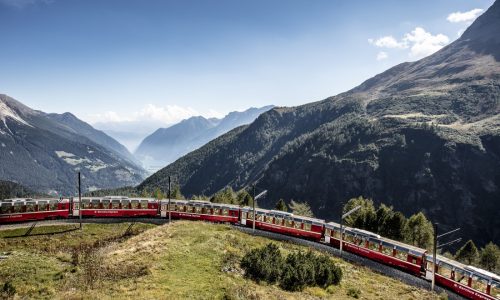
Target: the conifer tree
(468, 253)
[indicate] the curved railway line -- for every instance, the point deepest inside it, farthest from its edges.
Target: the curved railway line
(352, 258)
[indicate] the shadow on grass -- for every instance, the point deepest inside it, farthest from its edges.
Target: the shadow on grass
(29, 234)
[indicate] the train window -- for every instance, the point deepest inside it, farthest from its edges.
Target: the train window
(495, 290)
(260, 218)
(250, 215)
(105, 204)
(134, 204)
(297, 225)
(307, 226)
(144, 204)
(216, 211)
(278, 221)
(479, 284)
(205, 210)
(386, 250)
(4, 209)
(18, 207)
(349, 238)
(115, 204)
(373, 246)
(444, 271)
(53, 205)
(125, 204)
(197, 210)
(95, 203)
(288, 223)
(401, 255)
(336, 234)
(30, 207)
(225, 212)
(328, 232)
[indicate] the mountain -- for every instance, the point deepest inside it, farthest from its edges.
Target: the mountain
(165, 145)
(421, 136)
(97, 136)
(45, 151)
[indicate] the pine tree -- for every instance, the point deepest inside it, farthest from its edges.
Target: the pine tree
(468, 253)
(419, 231)
(244, 198)
(176, 193)
(490, 257)
(301, 209)
(281, 205)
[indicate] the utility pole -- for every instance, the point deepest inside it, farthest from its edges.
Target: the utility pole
(434, 254)
(342, 216)
(436, 246)
(80, 198)
(253, 204)
(169, 210)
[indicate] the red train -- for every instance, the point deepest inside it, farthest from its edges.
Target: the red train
(468, 281)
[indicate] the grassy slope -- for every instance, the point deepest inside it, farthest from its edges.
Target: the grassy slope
(184, 260)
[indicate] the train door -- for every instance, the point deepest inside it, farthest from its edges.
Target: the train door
(327, 235)
(76, 208)
(243, 217)
(164, 209)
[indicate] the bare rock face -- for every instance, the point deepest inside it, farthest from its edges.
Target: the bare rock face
(44, 152)
(421, 136)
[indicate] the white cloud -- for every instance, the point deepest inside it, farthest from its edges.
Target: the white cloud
(382, 55)
(424, 43)
(387, 42)
(420, 42)
(149, 113)
(467, 16)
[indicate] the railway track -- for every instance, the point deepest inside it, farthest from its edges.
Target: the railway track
(352, 258)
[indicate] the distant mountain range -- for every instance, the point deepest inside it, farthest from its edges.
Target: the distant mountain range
(44, 152)
(421, 136)
(165, 145)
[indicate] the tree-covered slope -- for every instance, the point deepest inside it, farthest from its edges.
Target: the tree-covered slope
(422, 136)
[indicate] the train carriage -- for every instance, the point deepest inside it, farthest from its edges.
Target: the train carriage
(375, 247)
(115, 206)
(200, 210)
(21, 210)
(284, 223)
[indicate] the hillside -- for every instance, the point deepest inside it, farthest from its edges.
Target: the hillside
(184, 260)
(166, 145)
(10, 189)
(44, 152)
(421, 136)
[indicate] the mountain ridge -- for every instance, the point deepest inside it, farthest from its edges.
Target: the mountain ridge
(165, 145)
(44, 154)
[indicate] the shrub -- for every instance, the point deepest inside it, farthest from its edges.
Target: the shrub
(263, 264)
(8, 290)
(354, 292)
(294, 273)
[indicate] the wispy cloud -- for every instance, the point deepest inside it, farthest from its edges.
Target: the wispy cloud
(24, 3)
(420, 42)
(387, 42)
(382, 55)
(467, 16)
(169, 114)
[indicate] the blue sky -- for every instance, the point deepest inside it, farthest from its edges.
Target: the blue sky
(118, 60)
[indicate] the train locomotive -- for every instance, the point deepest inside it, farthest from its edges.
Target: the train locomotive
(468, 281)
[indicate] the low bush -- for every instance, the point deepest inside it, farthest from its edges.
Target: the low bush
(293, 273)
